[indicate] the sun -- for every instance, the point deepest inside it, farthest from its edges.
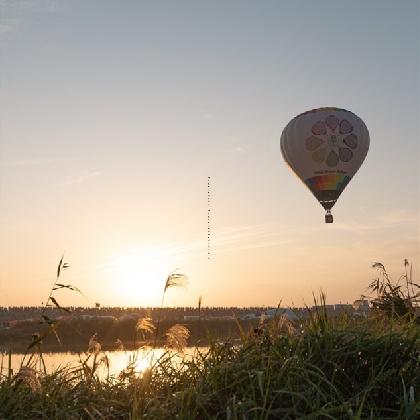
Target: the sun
(139, 278)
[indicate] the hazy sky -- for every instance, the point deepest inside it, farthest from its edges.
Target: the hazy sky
(114, 113)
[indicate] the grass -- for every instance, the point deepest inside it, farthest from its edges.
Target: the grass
(324, 368)
(319, 367)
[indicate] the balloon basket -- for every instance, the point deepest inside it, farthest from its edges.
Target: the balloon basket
(329, 217)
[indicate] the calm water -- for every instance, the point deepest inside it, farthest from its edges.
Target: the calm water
(118, 360)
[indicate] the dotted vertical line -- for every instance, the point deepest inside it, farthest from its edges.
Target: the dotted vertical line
(208, 219)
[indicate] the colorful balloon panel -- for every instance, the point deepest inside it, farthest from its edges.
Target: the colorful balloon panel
(327, 188)
(325, 147)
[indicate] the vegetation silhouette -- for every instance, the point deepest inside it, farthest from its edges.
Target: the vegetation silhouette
(316, 366)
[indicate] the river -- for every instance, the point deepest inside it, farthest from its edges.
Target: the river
(117, 360)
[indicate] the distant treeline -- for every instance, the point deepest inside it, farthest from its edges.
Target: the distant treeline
(74, 333)
(169, 313)
(115, 325)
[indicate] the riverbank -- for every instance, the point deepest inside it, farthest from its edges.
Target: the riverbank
(324, 368)
(74, 334)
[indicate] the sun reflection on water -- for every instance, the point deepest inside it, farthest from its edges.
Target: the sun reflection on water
(140, 360)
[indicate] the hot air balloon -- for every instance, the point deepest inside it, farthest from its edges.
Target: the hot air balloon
(325, 147)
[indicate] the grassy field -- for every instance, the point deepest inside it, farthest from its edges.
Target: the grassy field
(348, 367)
(75, 335)
(322, 368)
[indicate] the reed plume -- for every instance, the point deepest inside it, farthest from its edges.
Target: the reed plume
(94, 345)
(28, 377)
(177, 336)
(119, 345)
(175, 280)
(200, 301)
(145, 325)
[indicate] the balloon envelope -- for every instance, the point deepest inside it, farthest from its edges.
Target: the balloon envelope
(325, 147)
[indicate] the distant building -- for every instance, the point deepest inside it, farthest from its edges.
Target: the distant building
(96, 317)
(220, 318)
(286, 312)
(191, 317)
(128, 317)
(343, 307)
(250, 316)
(361, 305)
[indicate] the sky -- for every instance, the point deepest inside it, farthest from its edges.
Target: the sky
(114, 114)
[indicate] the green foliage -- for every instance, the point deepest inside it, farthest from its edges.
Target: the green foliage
(345, 367)
(395, 299)
(318, 368)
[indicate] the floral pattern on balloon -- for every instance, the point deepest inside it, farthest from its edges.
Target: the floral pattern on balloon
(332, 141)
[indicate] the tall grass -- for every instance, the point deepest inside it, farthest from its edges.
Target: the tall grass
(322, 368)
(172, 281)
(318, 367)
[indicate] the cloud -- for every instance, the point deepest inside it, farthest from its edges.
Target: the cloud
(241, 238)
(230, 240)
(397, 217)
(21, 6)
(385, 220)
(239, 149)
(16, 5)
(206, 114)
(37, 161)
(81, 178)
(16, 12)
(8, 25)
(349, 227)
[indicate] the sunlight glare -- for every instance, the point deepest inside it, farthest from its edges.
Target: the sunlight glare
(141, 277)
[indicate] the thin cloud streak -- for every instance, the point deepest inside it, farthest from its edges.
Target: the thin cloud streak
(232, 239)
(81, 178)
(8, 25)
(38, 161)
(383, 221)
(243, 238)
(206, 114)
(14, 13)
(399, 217)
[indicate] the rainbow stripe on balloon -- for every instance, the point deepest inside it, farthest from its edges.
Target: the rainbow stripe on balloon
(328, 182)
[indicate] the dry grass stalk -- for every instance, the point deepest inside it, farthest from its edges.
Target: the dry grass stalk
(177, 336)
(94, 345)
(285, 325)
(175, 280)
(119, 345)
(104, 361)
(200, 301)
(28, 377)
(145, 325)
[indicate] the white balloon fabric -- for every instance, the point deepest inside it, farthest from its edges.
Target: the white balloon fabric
(325, 147)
